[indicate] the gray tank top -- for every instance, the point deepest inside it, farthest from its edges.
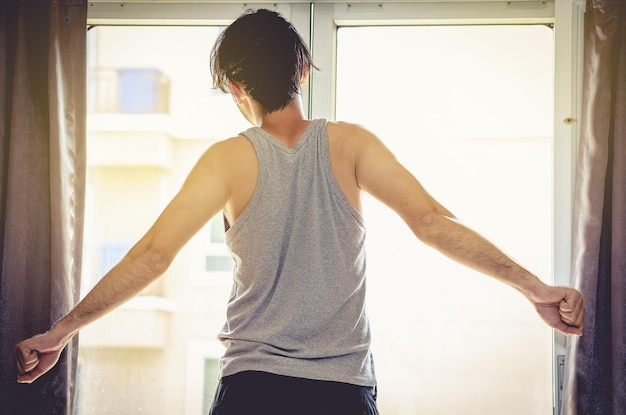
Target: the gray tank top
(297, 306)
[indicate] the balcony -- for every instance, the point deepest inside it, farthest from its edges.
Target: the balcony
(129, 121)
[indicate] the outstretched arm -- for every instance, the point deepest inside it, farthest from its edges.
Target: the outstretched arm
(380, 174)
(204, 193)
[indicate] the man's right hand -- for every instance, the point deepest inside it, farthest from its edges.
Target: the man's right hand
(36, 356)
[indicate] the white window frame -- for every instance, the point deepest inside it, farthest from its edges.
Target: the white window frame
(320, 20)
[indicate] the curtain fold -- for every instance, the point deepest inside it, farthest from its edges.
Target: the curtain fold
(595, 371)
(42, 180)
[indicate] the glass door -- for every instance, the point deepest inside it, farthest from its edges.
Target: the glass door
(468, 109)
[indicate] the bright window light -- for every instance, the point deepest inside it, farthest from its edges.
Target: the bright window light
(468, 109)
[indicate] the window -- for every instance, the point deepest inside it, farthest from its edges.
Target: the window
(164, 360)
(143, 90)
(468, 110)
(202, 375)
(211, 379)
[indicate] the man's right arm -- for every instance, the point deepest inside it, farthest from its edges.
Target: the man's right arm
(204, 193)
(380, 174)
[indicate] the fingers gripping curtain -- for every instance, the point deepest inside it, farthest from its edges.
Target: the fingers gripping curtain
(42, 169)
(595, 378)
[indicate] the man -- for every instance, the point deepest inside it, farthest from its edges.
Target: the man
(297, 337)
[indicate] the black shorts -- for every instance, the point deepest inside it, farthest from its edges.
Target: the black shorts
(261, 393)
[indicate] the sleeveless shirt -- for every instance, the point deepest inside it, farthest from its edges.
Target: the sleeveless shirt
(297, 306)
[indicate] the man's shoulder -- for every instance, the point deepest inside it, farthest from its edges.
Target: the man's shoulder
(231, 143)
(349, 134)
(230, 147)
(227, 153)
(344, 127)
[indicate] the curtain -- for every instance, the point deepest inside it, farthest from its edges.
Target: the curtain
(595, 370)
(42, 179)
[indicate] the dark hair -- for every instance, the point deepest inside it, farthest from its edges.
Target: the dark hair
(264, 55)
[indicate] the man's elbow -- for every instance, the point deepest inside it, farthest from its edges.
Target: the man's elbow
(152, 260)
(429, 226)
(158, 261)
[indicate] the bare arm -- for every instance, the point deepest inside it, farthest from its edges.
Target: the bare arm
(380, 174)
(204, 193)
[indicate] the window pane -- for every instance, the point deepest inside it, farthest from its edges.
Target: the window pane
(468, 109)
(152, 113)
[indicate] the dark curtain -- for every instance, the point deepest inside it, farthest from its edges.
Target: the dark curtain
(42, 179)
(595, 377)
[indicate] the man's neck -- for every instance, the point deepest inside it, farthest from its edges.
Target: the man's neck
(286, 124)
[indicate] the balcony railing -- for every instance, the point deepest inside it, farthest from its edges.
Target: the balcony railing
(130, 91)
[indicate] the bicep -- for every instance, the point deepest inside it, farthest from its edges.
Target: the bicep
(380, 174)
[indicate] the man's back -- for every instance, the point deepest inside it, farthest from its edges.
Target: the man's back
(298, 302)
